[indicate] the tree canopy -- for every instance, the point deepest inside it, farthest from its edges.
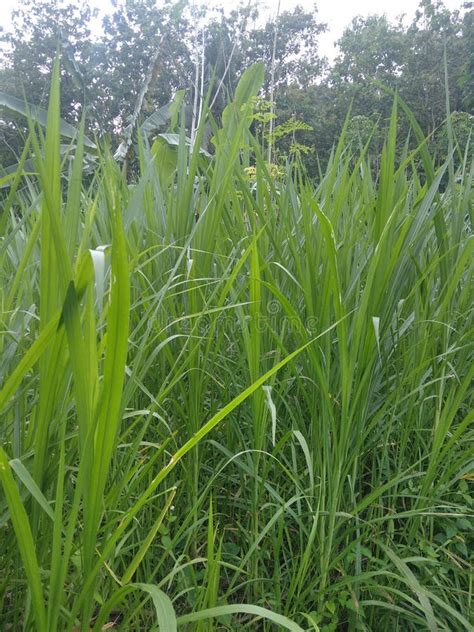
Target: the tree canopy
(172, 45)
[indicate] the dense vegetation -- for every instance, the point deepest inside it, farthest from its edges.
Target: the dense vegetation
(237, 340)
(234, 398)
(181, 46)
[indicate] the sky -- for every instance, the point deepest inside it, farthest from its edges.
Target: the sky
(336, 13)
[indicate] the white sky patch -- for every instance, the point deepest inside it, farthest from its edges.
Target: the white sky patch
(336, 13)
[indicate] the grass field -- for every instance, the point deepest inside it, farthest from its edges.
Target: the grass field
(234, 399)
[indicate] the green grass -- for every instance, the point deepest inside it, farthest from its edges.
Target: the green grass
(234, 402)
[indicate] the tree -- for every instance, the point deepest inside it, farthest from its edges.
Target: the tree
(372, 49)
(433, 31)
(173, 45)
(235, 42)
(39, 28)
(372, 56)
(466, 78)
(136, 32)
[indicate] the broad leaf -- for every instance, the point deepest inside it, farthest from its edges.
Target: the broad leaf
(40, 115)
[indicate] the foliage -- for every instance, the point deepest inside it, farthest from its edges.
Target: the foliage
(38, 28)
(175, 45)
(462, 126)
(136, 32)
(231, 400)
(375, 55)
